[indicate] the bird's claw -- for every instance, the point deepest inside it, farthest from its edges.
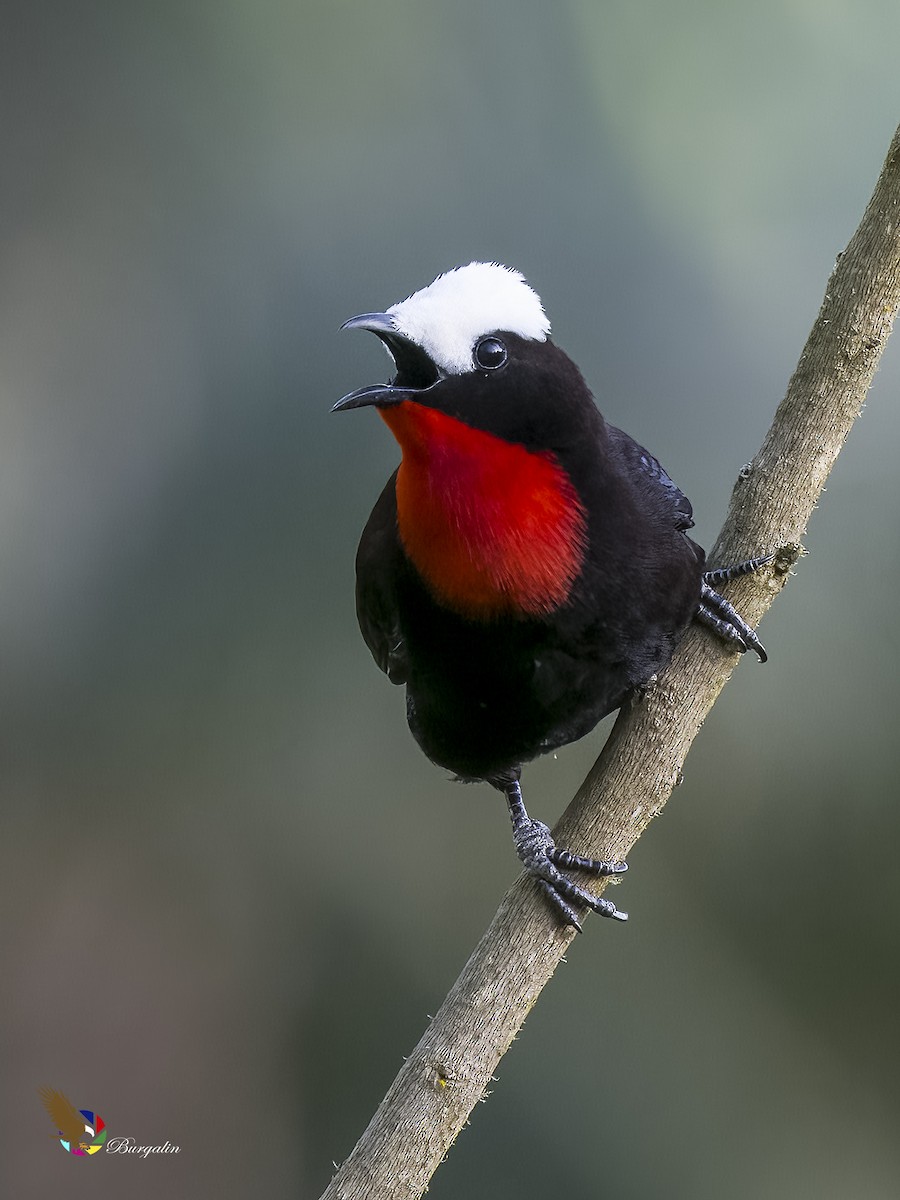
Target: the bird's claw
(717, 614)
(542, 859)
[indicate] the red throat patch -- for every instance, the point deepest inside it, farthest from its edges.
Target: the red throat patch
(494, 529)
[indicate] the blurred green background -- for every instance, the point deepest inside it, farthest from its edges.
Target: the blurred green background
(233, 888)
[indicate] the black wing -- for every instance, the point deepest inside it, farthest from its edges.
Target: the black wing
(379, 561)
(641, 462)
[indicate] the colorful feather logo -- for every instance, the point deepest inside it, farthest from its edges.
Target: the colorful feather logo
(78, 1129)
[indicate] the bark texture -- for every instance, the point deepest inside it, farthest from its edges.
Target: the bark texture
(450, 1069)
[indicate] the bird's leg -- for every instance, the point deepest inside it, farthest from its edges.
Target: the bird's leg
(542, 858)
(715, 612)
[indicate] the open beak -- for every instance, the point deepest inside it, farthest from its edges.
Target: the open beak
(414, 367)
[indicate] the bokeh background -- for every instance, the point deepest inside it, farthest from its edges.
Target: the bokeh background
(232, 887)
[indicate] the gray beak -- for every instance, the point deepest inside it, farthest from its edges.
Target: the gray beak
(410, 360)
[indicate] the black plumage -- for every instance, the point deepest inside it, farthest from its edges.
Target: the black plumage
(488, 690)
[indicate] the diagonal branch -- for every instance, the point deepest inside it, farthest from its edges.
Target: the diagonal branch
(450, 1069)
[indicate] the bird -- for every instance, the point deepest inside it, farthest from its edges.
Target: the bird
(70, 1124)
(527, 567)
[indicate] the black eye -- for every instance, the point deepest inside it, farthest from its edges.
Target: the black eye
(490, 353)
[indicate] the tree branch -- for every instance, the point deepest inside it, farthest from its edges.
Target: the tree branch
(450, 1069)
